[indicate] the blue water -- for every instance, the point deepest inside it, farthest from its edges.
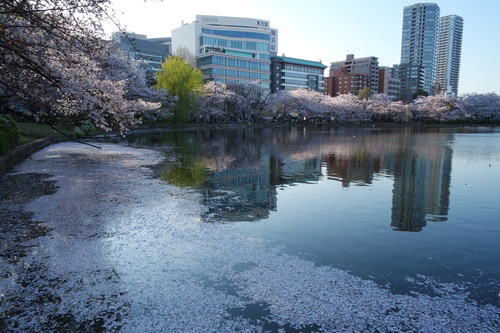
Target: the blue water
(394, 205)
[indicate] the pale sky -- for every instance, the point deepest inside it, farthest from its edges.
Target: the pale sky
(328, 30)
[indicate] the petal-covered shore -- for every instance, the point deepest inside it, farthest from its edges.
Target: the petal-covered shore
(92, 242)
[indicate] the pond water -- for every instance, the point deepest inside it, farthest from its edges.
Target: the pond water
(393, 205)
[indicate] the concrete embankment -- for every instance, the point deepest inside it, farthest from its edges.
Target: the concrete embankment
(21, 153)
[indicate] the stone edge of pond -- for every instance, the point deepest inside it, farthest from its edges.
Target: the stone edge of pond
(23, 152)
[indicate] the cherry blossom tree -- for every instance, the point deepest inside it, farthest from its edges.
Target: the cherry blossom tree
(277, 104)
(121, 68)
(246, 101)
(55, 68)
(399, 112)
(348, 108)
(213, 102)
(384, 108)
(435, 107)
(299, 104)
(480, 106)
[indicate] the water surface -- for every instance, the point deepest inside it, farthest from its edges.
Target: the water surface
(398, 206)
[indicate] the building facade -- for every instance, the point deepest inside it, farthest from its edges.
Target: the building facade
(387, 84)
(411, 79)
(149, 52)
(352, 75)
(229, 49)
(449, 52)
(419, 44)
(291, 74)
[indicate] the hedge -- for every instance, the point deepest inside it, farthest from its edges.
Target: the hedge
(9, 134)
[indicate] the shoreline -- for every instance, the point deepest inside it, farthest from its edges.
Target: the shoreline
(23, 152)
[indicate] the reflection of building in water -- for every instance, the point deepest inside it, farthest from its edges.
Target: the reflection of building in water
(421, 187)
(439, 185)
(358, 168)
(420, 164)
(290, 170)
(241, 182)
(409, 194)
(248, 193)
(240, 193)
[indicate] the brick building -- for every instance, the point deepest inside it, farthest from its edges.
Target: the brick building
(352, 75)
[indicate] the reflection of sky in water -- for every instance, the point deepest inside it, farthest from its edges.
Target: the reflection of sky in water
(477, 147)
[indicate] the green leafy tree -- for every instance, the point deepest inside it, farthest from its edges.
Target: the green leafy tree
(180, 79)
(420, 92)
(365, 93)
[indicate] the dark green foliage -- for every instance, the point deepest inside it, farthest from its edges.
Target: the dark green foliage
(86, 129)
(420, 92)
(9, 134)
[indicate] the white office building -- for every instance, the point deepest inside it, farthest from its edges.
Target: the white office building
(229, 49)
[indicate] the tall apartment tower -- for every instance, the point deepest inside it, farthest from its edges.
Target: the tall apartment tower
(229, 49)
(419, 43)
(449, 52)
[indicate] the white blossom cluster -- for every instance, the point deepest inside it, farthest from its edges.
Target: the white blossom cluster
(130, 253)
(243, 102)
(56, 69)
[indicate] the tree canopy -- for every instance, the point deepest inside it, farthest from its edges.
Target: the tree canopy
(218, 104)
(56, 68)
(180, 79)
(365, 93)
(420, 92)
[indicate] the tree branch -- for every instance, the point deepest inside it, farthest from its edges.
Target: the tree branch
(72, 138)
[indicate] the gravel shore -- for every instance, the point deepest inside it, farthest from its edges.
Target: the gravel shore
(91, 242)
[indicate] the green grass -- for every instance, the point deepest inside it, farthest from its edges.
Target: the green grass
(36, 131)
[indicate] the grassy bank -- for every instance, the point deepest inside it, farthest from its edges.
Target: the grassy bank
(35, 131)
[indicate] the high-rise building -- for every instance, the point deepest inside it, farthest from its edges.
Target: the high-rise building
(449, 52)
(419, 44)
(352, 75)
(229, 49)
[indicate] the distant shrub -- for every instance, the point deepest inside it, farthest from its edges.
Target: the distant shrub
(485, 121)
(455, 121)
(86, 129)
(9, 134)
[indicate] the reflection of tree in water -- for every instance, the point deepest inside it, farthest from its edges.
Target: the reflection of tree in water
(186, 169)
